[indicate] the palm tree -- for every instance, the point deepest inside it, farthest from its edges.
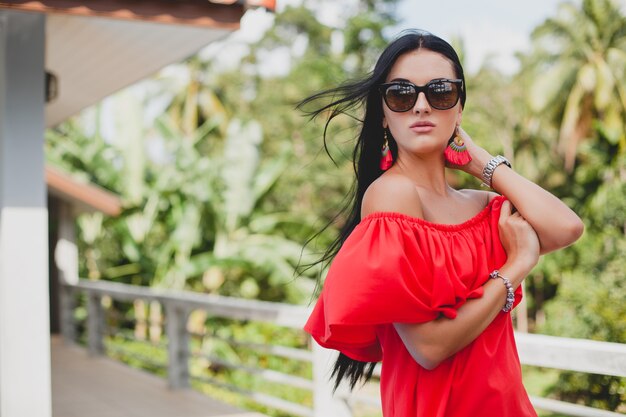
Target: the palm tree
(579, 70)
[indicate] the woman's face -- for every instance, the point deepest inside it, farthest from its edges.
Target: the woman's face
(423, 129)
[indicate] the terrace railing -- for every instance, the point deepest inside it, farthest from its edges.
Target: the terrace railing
(537, 350)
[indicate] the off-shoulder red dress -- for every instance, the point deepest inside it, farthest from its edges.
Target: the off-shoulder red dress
(397, 268)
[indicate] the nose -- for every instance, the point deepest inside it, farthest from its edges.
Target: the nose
(421, 104)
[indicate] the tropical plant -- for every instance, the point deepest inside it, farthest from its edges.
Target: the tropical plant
(194, 215)
(576, 73)
(579, 74)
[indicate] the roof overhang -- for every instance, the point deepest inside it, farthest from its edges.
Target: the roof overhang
(82, 196)
(204, 13)
(95, 48)
(92, 58)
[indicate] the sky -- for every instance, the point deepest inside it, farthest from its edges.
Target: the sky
(488, 27)
(495, 28)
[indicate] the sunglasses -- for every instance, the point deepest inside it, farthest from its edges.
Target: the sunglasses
(441, 94)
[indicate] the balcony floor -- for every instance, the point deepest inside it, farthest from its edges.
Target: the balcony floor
(100, 387)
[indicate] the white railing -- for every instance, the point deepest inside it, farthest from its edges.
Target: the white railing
(537, 350)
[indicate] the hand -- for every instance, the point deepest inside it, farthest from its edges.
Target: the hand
(519, 241)
(480, 157)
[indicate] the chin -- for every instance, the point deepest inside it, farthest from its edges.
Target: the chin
(425, 145)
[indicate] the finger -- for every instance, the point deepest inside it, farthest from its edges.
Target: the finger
(505, 211)
(506, 207)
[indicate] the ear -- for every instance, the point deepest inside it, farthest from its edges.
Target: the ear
(459, 117)
(385, 124)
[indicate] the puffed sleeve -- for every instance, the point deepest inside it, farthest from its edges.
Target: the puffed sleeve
(382, 274)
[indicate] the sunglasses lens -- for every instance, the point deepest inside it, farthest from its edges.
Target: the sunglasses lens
(400, 97)
(443, 95)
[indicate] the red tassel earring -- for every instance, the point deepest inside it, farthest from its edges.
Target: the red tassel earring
(386, 159)
(456, 152)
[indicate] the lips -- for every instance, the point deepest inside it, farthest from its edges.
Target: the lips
(423, 126)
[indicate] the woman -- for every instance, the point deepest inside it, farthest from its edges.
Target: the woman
(424, 276)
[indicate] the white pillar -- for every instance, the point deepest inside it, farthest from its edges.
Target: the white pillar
(66, 252)
(24, 315)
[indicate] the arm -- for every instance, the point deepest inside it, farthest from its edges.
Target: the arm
(432, 342)
(556, 224)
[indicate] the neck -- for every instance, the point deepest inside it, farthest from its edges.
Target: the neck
(426, 171)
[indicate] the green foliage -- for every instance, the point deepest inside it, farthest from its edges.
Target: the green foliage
(577, 72)
(245, 179)
(313, 187)
(194, 216)
(597, 391)
(138, 354)
(227, 343)
(590, 299)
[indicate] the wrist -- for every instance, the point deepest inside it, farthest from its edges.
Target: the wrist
(490, 167)
(516, 271)
(478, 164)
(510, 292)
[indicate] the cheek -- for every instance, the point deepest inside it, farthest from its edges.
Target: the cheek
(451, 119)
(392, 120)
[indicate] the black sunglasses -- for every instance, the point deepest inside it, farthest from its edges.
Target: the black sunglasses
(441, 94)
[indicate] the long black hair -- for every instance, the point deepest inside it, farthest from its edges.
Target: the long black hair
(364, 93)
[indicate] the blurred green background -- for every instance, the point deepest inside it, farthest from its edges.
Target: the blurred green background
(223, 181)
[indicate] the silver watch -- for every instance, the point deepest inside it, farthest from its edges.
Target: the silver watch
(491, 166)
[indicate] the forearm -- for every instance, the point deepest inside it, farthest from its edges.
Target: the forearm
(556, 224)
(432, 342)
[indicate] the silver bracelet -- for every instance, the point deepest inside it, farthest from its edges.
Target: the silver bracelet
(510, 294)
(490, 167)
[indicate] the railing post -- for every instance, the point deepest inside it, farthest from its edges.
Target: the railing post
(95, 324)
(177, 346)
(66, 303)
(326, 404)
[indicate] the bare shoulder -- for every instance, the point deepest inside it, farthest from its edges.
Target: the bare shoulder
(480, 196)
(392, 193)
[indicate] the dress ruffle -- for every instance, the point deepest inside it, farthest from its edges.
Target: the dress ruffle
(395, 268)
(398, 268)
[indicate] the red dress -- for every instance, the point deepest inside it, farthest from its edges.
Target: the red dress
(398, 268)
